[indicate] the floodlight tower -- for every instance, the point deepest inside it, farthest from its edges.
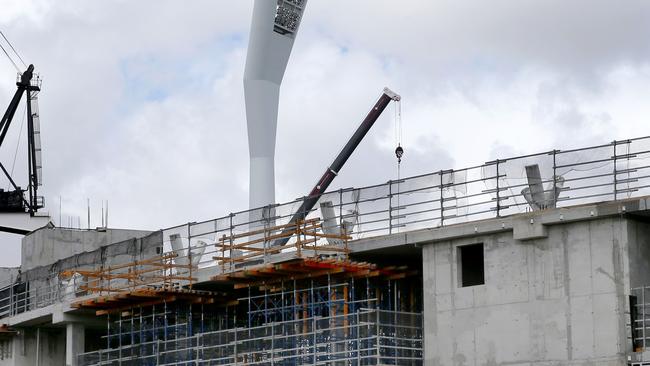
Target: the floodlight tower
(273, 31)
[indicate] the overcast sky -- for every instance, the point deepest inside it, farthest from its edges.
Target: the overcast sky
(142, 102)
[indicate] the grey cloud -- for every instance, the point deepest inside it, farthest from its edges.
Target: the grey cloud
(577, 35)
(478, 79)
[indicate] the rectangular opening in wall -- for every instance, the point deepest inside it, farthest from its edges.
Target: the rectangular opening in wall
(471, 265)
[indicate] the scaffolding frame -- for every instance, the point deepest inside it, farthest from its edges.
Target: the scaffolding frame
(374, 337)
(158, 272)
(346, 312)
(313, 306)
(236, 250)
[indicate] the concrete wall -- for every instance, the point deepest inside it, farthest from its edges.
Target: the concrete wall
(8, 275)
(32, 347)
(558, 300)
(43, 280)
(47, 245)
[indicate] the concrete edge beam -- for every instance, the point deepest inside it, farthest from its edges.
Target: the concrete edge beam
(525, 226)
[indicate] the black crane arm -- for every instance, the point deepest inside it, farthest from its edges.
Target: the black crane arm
(12, 201)
(23, 85)
(333, 170)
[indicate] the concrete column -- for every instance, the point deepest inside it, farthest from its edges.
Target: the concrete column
(74, 342)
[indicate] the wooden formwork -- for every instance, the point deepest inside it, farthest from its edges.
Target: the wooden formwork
(257, 244)
(125, 300)
(142, 282)
(159, 279)
(267, 276)
(158, 271)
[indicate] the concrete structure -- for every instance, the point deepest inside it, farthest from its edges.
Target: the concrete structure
(47, 333)
(556, 290)
(50, 244)
(556, 286)
(438, 271)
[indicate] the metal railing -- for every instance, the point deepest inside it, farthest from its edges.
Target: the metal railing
(20, 297)
(367, 337)
(609, 172)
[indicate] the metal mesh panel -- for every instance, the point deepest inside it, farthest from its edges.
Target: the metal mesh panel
(614, 171)
(588, 175)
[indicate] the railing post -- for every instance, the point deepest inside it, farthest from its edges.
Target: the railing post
(442, 202)
(555, 194)
(232, 266)
(11, 296)
(615, 173)
(341, 210)
(390, 207)
(61, 294)
(264, 236)
(498, 191)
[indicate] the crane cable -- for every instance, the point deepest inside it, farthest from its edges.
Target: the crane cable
(20, 134)
(10, 59)
(13, 49)
(399, 151)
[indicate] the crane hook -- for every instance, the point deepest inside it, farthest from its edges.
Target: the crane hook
(399, 152)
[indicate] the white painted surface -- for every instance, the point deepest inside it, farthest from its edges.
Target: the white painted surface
(266, 62)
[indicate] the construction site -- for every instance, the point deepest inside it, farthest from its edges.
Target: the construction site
(463, 265)
(542, 259)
